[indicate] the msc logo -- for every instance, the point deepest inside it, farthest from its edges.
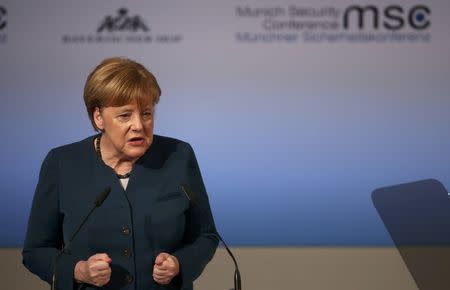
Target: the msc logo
(2, 17)
(392, 17)
(122, 22)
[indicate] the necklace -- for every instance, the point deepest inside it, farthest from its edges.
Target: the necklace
(99, 153)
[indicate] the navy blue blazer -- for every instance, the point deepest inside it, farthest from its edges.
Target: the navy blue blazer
(133, 226)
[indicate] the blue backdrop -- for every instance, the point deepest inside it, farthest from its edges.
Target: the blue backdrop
(295, 118)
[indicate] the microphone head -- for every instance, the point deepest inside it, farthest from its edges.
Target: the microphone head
(101, 198)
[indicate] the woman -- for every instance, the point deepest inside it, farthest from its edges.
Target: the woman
(146, 234)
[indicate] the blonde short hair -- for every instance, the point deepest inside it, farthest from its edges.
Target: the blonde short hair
(117, 82)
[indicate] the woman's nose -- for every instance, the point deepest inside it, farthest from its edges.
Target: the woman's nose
(136, 123)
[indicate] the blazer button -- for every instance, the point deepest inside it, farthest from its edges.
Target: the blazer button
(127, 253)
(129, 278)
(126, 230)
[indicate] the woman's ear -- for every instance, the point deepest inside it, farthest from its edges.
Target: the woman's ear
(98, 119)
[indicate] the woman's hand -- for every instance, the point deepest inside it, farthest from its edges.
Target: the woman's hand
(95, 271)
(166, 267)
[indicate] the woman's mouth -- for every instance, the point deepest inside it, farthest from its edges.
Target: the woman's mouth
(136, 141)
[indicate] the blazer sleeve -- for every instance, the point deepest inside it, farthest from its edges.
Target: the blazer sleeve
(200, 235)
(44, 237)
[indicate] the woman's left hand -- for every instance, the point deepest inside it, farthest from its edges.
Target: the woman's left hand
(166, 267)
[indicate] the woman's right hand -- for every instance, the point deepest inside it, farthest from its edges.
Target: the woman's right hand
(95, 271)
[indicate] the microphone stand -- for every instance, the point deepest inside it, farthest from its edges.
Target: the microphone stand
(237, 274)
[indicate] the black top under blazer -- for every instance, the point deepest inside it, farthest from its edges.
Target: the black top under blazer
(133, 226)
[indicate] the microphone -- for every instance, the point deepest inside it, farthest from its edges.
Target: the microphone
(191, 196)
(98, 202)
(102, 196)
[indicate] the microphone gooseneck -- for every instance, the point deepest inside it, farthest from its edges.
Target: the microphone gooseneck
(98, 202)
(237, 274)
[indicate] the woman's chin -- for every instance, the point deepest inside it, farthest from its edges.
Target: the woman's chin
(135, 153)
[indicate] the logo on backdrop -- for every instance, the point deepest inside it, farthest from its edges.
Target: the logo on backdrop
(3, 23)
(123, 27)
(391, 18)
(123, 22)
(334, 24)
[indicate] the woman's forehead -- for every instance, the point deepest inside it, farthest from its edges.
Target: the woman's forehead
(133, 106)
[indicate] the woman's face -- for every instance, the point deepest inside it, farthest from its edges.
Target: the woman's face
(127, 130)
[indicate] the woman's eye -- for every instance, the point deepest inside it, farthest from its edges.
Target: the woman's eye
(147, 115)
(124, 116)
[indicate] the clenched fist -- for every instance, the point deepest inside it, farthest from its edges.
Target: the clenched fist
(165, 269)
(95, 271)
